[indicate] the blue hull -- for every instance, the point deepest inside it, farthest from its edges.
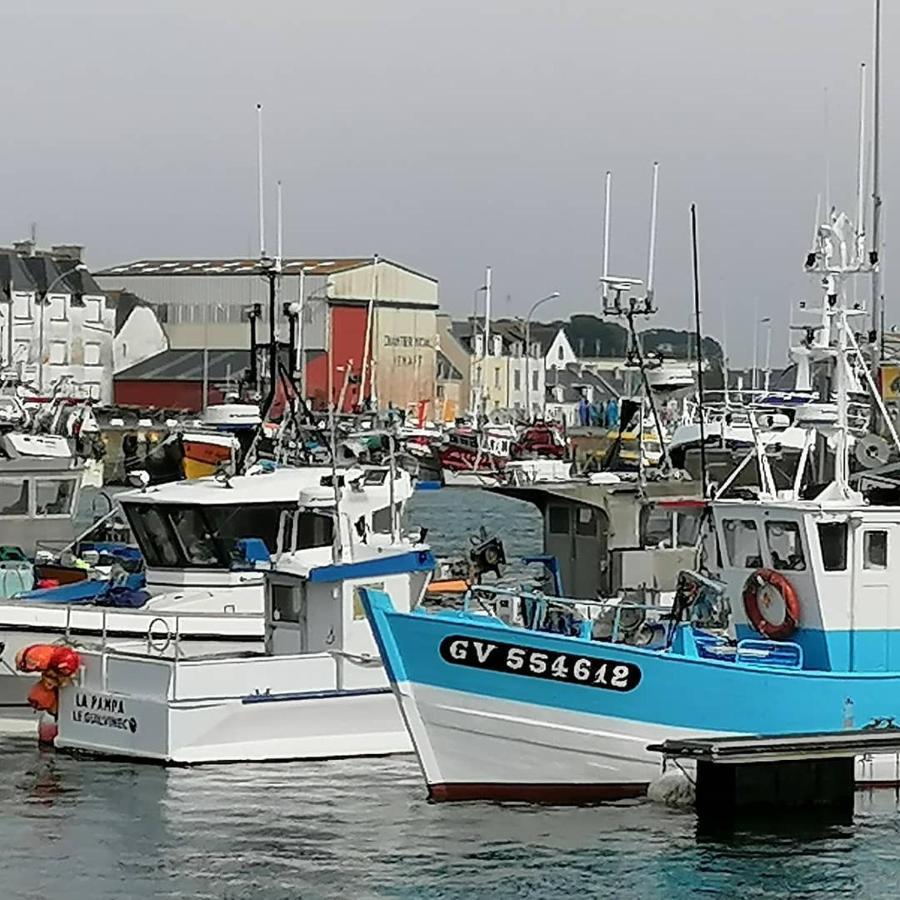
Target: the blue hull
(474, 689)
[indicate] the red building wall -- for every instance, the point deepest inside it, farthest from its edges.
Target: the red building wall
(164, 394)
(348, 335)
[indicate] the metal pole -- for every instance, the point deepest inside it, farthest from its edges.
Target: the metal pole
(487, 337)
(875, 248)
(205, 399)
(273, 336)
(768, 374)
(528, 367)
(755, 344)
(301, 308)
(699, 332)
(43, 301)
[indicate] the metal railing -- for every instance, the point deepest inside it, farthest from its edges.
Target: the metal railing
(518, 614)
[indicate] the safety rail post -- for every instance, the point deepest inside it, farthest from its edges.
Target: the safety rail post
(104, 678)
(176, 658)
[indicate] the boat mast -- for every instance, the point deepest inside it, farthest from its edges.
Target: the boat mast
(704, 478)
(487, 340)
(877, 327)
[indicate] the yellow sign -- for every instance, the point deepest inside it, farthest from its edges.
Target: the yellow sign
(890, 382)
(358, 611)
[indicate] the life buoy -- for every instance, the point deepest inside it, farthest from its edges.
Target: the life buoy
(755, 594)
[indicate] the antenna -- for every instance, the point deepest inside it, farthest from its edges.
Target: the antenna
(817, 221)
(607, 197)
(651, 254)
(861, 170)
(259, 166)
(280, 233)
(827, 143)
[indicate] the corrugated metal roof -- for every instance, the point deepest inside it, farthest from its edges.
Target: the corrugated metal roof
(289, 266)
(187, 365)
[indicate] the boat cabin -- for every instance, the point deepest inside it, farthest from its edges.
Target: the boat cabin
(618, 536)
(841, 563)
(40, 482)
(220, 531)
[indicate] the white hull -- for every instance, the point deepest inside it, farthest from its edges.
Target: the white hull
(475, 747)
(14, 686)
(189, 733)
(471, 478)
(308, 706)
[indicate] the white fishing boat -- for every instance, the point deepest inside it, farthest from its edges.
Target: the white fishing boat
(207, 544)
(318, 691)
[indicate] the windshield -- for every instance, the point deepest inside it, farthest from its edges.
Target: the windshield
(173, 536)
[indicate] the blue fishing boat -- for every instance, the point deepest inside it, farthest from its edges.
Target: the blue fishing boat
(792, 630)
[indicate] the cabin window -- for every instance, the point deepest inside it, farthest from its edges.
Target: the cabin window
(786, 546)
(287, 602)
(656, 527)
(53, 497)
(194, 536)
(875, 549)
(833, 544)
(559, 520)
(586, 522)
(687, 526)
(154, 536)
(14, 498)
(742, 543)
(381, 520)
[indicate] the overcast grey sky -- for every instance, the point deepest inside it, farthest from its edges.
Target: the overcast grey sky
(448, 134)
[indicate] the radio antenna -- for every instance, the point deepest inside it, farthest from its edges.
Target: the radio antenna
(259, 167)
(651, 253)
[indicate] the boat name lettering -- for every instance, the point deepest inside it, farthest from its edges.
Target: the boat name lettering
(498, 656)
(104, 711)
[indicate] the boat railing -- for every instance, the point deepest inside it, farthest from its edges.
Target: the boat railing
(537, 611)
(162, 642)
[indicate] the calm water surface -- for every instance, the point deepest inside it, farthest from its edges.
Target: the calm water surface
(75, 829)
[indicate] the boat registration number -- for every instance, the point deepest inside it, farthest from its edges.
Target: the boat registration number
(498, 656)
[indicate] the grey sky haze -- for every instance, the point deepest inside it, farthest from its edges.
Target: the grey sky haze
(449, 135)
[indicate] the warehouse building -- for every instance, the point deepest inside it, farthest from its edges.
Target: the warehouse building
(207, 303)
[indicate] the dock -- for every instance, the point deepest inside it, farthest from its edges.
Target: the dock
(792, 773)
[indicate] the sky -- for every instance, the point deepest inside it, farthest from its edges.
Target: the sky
(451, 134)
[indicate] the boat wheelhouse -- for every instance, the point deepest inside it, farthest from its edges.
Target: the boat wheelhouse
(206, 544)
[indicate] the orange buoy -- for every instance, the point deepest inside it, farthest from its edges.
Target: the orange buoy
(756, 595)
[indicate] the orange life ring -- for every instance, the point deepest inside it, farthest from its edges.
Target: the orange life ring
(763, 578)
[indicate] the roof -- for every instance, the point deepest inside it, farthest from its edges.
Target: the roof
(62, 275)
(14, 275)
(572, 378)
(187, 365)
(125, 302)
(244, 266)
(544, 334)
(280, 485)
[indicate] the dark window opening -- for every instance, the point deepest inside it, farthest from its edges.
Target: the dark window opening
(833, 544)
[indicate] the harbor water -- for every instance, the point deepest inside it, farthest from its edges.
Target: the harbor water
(78, 828)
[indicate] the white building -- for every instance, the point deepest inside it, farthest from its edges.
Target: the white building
(56, 326)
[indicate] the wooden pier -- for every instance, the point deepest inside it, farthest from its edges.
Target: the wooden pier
(794, 773)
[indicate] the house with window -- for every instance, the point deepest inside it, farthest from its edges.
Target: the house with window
(56, 323)
(502, 377)
(555, 348)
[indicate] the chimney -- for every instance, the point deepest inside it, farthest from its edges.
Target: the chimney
(24, 248)
(67, 251)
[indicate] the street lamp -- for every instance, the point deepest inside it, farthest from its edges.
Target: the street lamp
(79, 267)
(534, 306)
